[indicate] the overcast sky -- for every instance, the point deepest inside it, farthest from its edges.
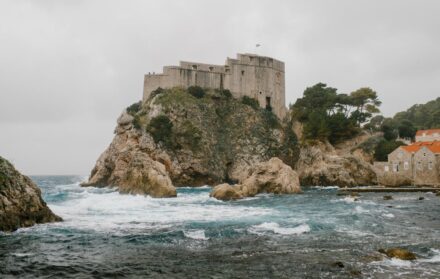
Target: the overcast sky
(68, 68)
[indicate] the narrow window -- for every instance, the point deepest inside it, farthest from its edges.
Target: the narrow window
(419, 165)
(242, 73)
(406, 166)
(430, 165)
(211, 68)
(387, 168)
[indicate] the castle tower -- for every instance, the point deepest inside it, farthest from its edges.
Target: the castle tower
(249, 75)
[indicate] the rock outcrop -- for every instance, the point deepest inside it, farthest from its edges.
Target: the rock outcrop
(21, 204)
(190, 141)
(320, 164)
(399, 253)
(272, 176)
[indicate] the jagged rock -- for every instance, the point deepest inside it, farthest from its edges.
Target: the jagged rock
(21, 204)
(226, 192)
(133, 172)
(125, 119)
(272, 176)
(399, 253)
(319, 164)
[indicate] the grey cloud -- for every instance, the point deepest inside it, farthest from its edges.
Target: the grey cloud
(68, 68)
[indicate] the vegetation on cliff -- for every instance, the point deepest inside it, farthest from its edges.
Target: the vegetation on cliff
(200, 136)
(328, 115)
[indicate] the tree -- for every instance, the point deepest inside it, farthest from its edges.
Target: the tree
(327, 115)
(406, 129)
(366, 102)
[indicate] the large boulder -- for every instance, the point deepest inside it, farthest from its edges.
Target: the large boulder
(399, 253)
(319, 164)
(226, 192)
(133, 172)
(21, 204)
(272, 176)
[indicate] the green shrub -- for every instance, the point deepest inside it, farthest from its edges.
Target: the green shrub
(160, 127)
(134, 108)
(226, 93)
(196, 91)
(271, 119)
(156, 92)
(250, 102)
(137, 122)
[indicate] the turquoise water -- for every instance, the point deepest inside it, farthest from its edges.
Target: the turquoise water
(314, 235)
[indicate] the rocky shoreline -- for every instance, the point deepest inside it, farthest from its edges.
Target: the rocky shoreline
(21, 204)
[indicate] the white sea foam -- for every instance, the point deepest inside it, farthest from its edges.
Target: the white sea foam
(275, 228)
(108, 210)
(388, 215)
(324, 187)
(196, 234)
(434, 259)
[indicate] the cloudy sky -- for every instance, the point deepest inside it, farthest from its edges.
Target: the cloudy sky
(68, 68)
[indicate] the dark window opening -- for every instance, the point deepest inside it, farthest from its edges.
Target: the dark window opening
(268, 106)
(242, 73)
(211, 68)
(260, 92)
(194, 67)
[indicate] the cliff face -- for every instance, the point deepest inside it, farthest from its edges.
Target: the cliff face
(191, 141)
(21, 204)
(321, 164)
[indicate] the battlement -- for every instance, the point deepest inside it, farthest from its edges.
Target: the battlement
(251, 75)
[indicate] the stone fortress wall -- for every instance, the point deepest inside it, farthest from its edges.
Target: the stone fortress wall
(249, 75)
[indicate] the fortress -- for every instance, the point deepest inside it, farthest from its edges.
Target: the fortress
(249, 75)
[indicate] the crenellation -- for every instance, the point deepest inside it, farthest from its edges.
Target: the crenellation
(250, 75)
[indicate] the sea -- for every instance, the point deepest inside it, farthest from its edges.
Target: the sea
(317, 234)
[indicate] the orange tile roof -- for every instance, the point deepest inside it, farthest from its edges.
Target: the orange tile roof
(427, 132)
(434, 146)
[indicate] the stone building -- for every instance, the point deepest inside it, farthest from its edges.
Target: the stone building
(419, 162)
(428, 135)
(249, 75)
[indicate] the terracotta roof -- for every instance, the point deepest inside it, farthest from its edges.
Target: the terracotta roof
(434, 146)
(427, 132)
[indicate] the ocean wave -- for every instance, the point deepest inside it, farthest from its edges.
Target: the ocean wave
(273, 227)
(195, 234)
(105, 210)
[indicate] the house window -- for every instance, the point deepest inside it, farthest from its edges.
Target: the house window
(387, 168)
(406, 165)
(194, 67)
(211, 68)
(419, 166)
(430, 167)
(395, 167)
(242, 73)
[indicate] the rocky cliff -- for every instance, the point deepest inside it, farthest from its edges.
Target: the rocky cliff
(178, 138)
(321, 164)
(21, 204)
